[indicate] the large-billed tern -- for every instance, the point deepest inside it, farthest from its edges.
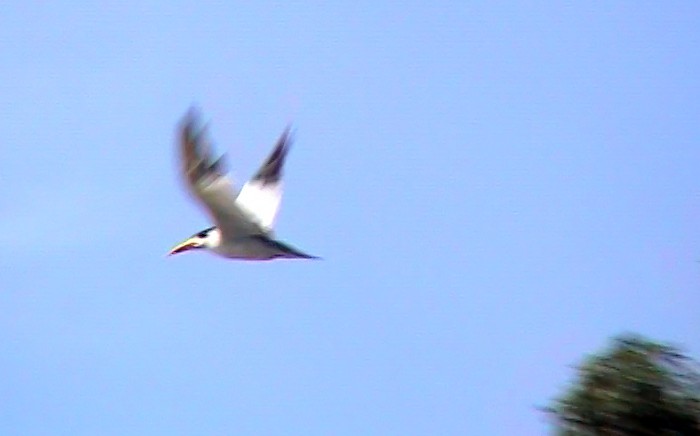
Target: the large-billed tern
(243, 220)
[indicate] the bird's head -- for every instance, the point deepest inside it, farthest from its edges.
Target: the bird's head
(208, 238)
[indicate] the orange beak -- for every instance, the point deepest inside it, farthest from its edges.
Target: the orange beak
(184, 246)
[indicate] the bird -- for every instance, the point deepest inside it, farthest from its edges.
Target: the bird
(243, 220)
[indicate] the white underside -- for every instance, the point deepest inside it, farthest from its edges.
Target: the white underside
(261, 202)
(251, 249)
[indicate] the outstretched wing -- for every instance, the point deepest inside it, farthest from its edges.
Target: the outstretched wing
(262, 195)
(209, 185)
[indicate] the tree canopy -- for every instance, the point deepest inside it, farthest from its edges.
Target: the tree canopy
(635, 387)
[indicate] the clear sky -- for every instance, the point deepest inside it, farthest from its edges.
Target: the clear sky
(496, 189)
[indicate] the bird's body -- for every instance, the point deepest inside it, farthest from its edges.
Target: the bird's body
(254, 247)
(244, 220)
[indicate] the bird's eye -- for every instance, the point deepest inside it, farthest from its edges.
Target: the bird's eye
(202, 234)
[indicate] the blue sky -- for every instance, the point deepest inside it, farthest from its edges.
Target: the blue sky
(496, 189)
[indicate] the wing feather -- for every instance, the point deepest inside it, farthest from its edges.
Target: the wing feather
(209, 185)
(262, 195)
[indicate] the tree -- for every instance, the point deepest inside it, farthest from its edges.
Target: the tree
(636, 387)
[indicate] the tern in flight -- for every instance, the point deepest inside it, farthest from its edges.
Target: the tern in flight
(243, 220)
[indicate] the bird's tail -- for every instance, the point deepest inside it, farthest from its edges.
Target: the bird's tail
(284, 250)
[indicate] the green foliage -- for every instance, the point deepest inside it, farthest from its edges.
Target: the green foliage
(636, 387)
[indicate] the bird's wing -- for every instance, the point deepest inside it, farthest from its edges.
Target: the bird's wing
(207, 182)
(262, 195)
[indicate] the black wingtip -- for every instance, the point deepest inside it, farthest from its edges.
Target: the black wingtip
(190, 124)
(271, 169)
(283, 144)
(192, 116)
(287, 135)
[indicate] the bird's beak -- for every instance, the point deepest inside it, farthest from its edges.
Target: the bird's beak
(183, 246)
